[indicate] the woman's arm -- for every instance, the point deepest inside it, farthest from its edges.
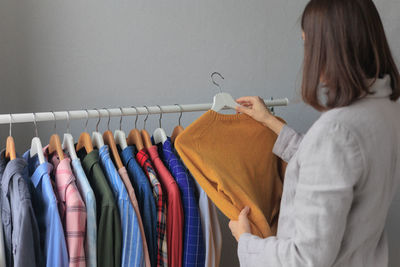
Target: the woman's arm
(330, 165)
(288, 140)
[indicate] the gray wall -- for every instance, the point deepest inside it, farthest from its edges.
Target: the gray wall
(58, 55)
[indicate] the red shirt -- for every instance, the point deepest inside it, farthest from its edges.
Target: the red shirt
(174, 210)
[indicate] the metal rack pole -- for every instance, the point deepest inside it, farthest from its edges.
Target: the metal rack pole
(116, 112)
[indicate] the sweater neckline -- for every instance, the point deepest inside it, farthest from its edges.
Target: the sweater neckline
(227, 117)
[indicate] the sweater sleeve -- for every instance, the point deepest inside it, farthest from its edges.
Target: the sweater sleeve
(330, 166)
(287, 143)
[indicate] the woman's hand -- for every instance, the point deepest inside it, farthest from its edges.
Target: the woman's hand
(242, 225)
(255, 107)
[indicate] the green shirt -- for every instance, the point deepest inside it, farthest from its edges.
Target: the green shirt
(109, 233)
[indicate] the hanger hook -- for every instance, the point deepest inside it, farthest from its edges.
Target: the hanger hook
(137, 116)
(68, 123)
(212, 78)
(87, 119)
(161, 113)
(10, 123)
(147, 116)
(272, 108)
(180, 116)
(55, 121)
(35, 124)
(109, 118)
(98, 121)
(120, 119)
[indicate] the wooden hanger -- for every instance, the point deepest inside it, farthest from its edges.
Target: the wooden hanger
(159, 135)
(178, 129)
(55, 143)
(134, 137)
(119, 135)
(84, 140)
(68, 142)
(222, 100)
(10, 145)
(145, 135)
(109, 140)
(36, 145)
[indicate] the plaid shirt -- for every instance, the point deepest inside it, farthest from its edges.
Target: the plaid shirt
(193, 241)
(144, 161)
(72, 210)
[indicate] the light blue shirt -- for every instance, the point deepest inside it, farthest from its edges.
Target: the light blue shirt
(44, 202)
(91, 225)
(132, 243)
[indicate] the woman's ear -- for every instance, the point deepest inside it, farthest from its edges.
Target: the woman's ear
(303, 35)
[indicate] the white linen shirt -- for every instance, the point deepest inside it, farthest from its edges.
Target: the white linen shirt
(339, 183)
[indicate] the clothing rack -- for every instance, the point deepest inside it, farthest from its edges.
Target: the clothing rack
(115, 112)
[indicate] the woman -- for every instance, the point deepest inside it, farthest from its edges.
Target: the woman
(343, 174)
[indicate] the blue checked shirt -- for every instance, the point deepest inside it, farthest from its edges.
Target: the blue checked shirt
(44, 202)
(193, 242)
(146, 201)
(132, 243)
(91, 224)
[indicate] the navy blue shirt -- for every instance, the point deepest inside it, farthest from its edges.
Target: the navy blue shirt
(145, 198)
(193, 242)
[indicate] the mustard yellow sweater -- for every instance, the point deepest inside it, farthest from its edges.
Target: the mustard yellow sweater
(231, 158)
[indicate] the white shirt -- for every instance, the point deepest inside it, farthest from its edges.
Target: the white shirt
(211, 228)
(339, 183)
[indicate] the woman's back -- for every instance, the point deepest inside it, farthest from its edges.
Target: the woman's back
(375, 123)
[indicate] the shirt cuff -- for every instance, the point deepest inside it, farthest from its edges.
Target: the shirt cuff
(282, 142)
(243, 243)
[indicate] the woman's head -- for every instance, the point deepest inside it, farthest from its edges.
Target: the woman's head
(345, 44)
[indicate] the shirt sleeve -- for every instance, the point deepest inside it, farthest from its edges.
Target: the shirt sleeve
(287, 143)
(330, 166)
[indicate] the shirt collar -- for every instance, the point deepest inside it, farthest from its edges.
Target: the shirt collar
(381, 87)
(14, 166)
(88, 160)
(38, 170)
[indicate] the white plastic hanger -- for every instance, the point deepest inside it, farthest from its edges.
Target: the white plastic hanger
(97, 138)
(119, 135)
(159, 134)
(36, 145)
(222, 100)
(68, 141)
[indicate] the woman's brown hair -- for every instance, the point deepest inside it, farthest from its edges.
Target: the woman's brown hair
(345, 44)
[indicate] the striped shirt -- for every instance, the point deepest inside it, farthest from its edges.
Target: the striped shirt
(72, 210)
(89, 198)
(161, 204)
(132, 243)
(193, 242)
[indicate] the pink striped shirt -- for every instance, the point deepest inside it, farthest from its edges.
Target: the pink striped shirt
(72, 210)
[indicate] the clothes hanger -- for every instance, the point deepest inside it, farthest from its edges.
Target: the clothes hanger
(68, 141)
(55, 143)
(119, 135)
(36, 145)
(134, 137)
(97, 138)
(159, 135)
(10, 145)
(178, 129)
(145, 135)
(109, 140)
(222, 100)
(84, 140)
